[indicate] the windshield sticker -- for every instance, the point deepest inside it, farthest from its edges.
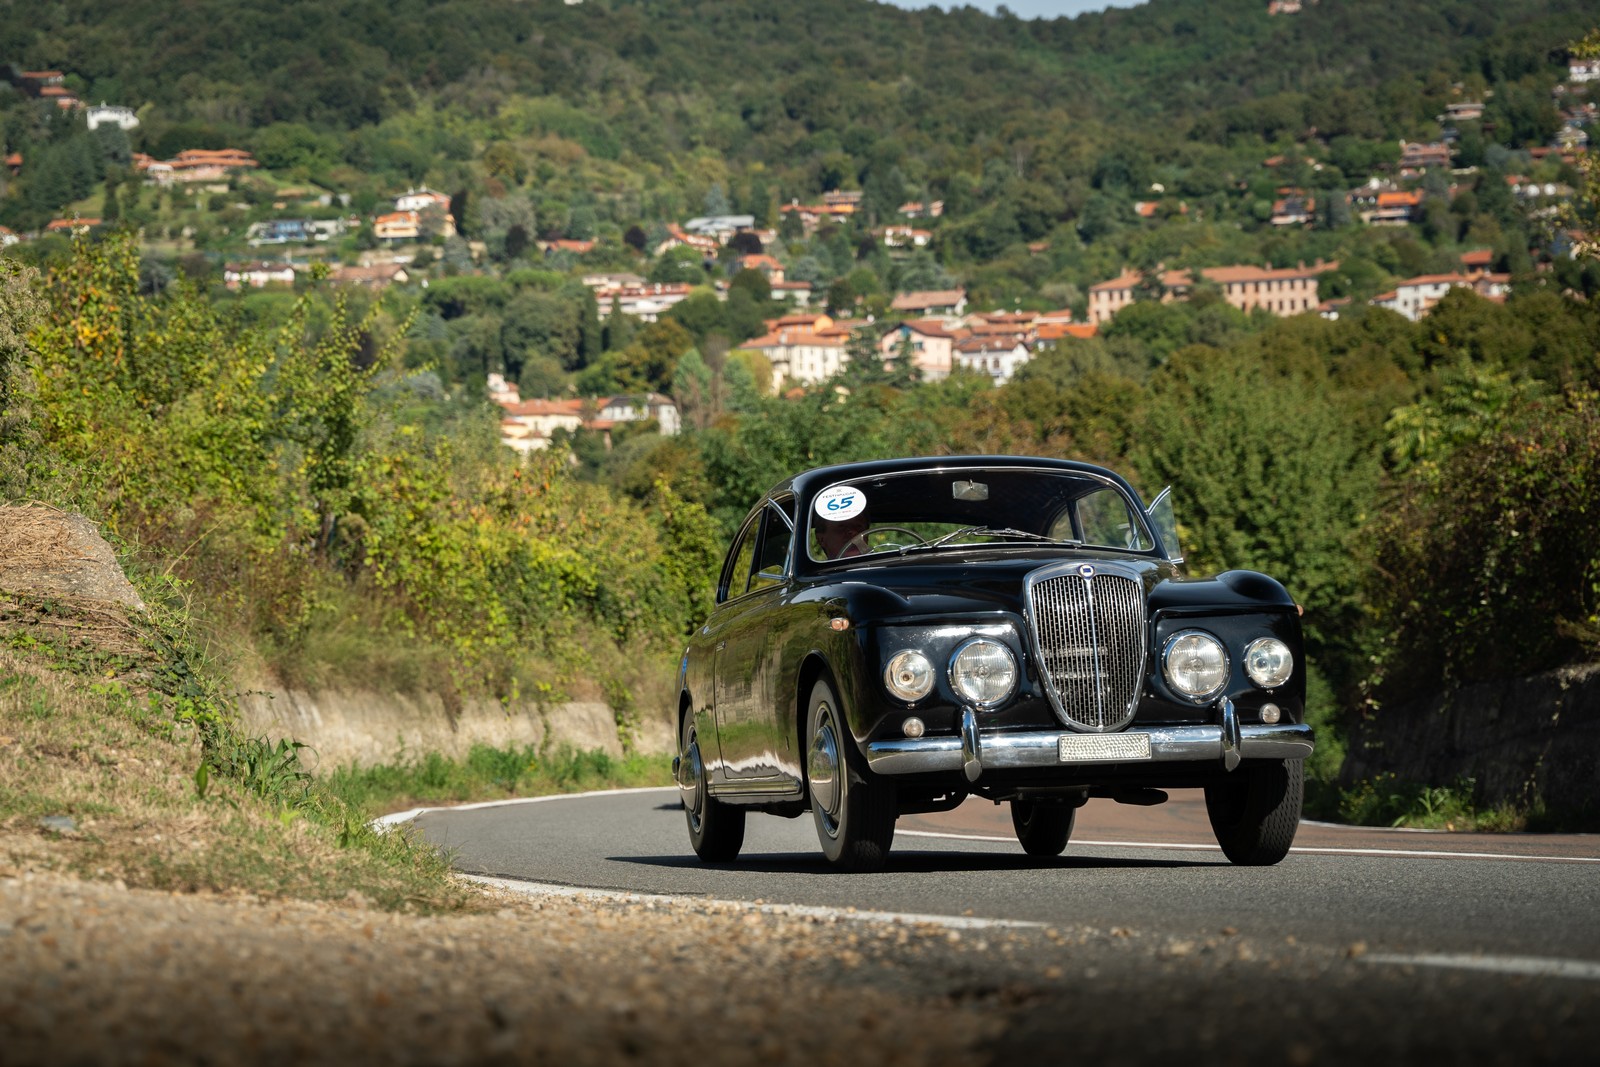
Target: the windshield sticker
(839, 502)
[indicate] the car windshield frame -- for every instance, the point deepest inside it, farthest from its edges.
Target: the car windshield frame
(963, 506)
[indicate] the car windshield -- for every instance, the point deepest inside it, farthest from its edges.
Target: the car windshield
(920, 511)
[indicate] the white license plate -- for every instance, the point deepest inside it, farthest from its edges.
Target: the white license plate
(1080, 748)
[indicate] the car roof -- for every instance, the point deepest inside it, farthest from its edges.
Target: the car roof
(807, 483)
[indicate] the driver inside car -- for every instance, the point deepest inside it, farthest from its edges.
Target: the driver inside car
(843, 538)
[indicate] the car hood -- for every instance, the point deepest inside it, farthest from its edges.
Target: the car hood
(918, 585)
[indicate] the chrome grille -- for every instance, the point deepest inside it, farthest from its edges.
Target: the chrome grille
(1090, 633)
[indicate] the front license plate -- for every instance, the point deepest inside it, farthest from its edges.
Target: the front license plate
(1079, 748)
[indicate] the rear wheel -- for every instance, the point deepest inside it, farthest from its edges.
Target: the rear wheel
(716, 830)
(1042, 826)
(1256, 812)
(854, 815)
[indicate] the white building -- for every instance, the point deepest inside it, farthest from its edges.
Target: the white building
(257, 275)
(637, 408)
(103, 114)
(803, 349)
(1414, 297)
(996, 356)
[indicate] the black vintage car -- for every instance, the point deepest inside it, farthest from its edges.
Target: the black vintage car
(894, 637)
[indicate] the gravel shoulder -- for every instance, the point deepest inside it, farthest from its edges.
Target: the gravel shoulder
(93, 972)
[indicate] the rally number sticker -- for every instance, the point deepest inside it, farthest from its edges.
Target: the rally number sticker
(840, 502)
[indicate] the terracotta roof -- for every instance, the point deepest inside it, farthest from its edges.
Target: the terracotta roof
(928, 327)
(1126, 280)
(922, 299)
(990, 343)
(1437, 279)
(1227, 275)
(1054, 331)
(525, 408)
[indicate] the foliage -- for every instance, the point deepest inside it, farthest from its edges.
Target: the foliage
(1269, 473)
(1487, 567)
(297, 459)
(487, 773)
(20, 308)
(1386, 801)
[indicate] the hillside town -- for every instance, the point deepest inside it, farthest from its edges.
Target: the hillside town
(278, 235)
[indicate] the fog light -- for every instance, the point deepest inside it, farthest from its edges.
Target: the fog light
(1270, 714)
(913, 727)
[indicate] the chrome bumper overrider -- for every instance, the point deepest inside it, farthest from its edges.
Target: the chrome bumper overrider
(977, 750)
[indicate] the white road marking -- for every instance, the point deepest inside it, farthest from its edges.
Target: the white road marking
(385, 823)
(1529, 966)
(1422, 852)
(953, 922)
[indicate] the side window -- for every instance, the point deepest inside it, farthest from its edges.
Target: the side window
(772, 552)
(1106, 519)
(736, 572)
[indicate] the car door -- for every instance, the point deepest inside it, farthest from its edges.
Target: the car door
(746, 656)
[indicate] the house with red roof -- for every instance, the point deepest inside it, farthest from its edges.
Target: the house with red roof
(804, 349)
(932, 346)
(998, 356)
(397, 226)
(947, 302)
(1285, 291)
(765, 264)
(1415, 297)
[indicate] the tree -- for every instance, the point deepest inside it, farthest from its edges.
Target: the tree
(20, 309)
(1283, 494)
(541, 324)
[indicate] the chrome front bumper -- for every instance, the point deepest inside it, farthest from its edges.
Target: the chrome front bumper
(977, 750)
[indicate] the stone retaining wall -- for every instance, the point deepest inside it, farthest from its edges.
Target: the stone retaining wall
(1536, 737)
(363, 728)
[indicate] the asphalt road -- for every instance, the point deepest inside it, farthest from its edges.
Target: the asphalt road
(1142, 943)
(1154, 868)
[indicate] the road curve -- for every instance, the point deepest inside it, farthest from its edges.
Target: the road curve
(1405, 895)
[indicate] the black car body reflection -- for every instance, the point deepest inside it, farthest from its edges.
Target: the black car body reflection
(895, 636)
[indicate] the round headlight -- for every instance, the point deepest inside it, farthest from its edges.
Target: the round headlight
(1268, 662)
(909, 675)
(983, 672)
(1195, 664)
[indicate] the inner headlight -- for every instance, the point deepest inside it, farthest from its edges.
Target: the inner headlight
(983, 671)
(1195, 664)
(1268, 662)
(909, 675)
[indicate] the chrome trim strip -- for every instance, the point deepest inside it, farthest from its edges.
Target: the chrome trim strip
(1001, 750)
(971, 745)
(1230, 734)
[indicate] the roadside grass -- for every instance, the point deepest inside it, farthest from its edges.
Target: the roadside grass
(1388, 801)
(105, 778)
(489, 774)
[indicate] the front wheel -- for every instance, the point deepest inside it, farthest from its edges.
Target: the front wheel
(1255, 814)
(716, 830)
(854, 815)
(1042, 826)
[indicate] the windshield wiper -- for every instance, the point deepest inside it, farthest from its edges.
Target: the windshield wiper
(997, 531)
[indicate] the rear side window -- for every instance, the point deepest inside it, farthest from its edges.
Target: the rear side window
(772, 550)
(736, 575)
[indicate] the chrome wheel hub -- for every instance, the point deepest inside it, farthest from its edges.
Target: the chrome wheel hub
(823, 769)
(691, 781)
